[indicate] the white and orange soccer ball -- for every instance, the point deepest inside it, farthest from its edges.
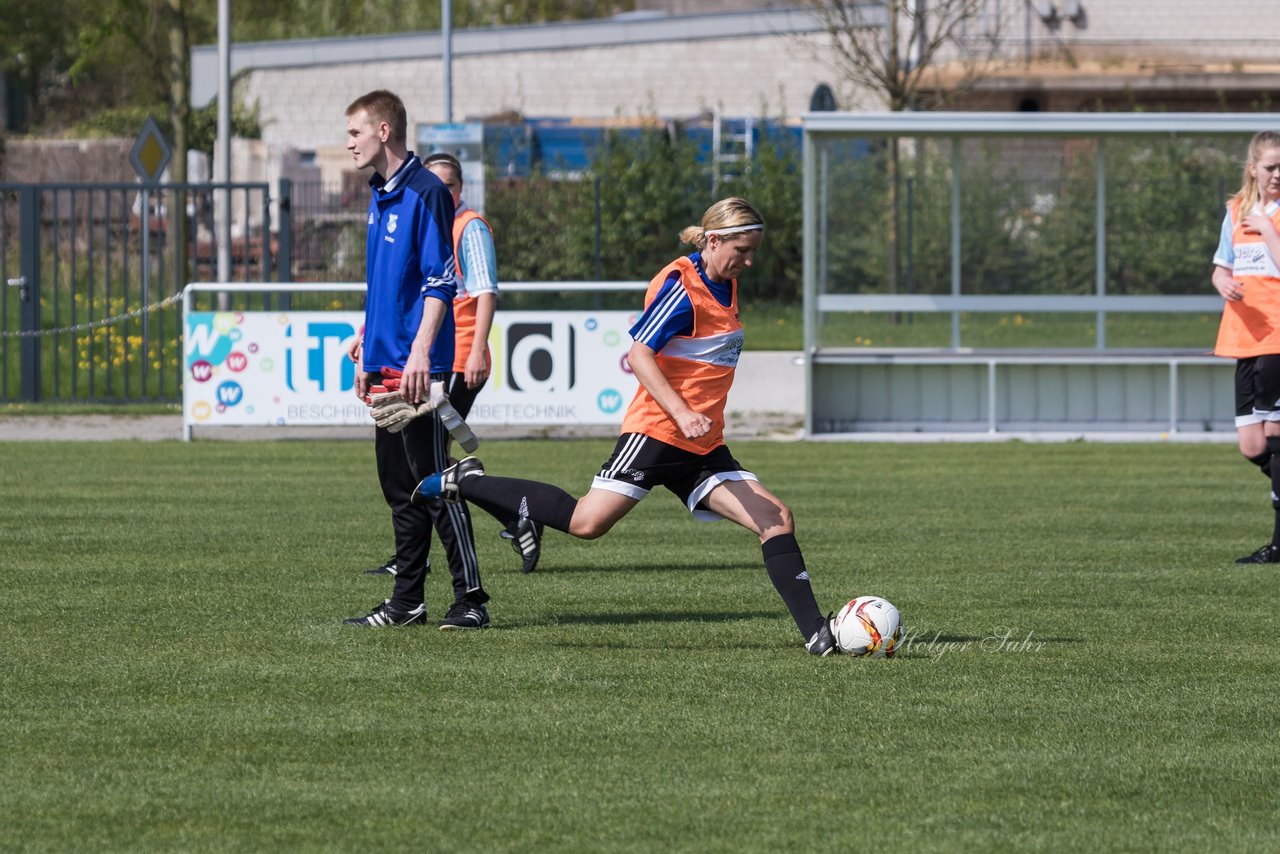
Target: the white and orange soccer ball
(868, 627)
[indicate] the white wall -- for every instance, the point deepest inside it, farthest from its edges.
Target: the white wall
(304, 107)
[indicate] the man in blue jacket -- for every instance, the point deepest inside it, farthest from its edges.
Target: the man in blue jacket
(407, 342)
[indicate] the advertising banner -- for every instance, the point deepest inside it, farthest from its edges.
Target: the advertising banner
(290, 368)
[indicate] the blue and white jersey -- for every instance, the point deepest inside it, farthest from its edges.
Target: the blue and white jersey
(408, 259)
(477, 258)
(1225, 256)
(671, 312)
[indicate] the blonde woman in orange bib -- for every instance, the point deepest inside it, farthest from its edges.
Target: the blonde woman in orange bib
(684, 352)
(1246, 274)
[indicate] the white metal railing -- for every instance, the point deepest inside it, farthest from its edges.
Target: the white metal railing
(1171, 361)
(1098, 304)
(321, 287)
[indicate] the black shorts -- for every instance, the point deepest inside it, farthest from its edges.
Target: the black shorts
(1257, 390)
(460, 396)
(639, 463)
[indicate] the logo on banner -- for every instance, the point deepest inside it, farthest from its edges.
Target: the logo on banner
(609, 401)
(229, 394)
(321, 348)
(209, 339)
(540, 357)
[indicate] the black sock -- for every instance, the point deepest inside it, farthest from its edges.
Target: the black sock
(542, 502)
(1263, 462)
(504, 516)
(1273, 448)
(785, 565)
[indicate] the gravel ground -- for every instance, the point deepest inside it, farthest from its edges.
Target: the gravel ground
(786, 426)
(155, 428)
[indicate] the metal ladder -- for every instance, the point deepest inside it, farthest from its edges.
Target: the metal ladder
(730, 151)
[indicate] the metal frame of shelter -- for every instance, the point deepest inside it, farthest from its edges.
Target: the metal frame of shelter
(841, 384)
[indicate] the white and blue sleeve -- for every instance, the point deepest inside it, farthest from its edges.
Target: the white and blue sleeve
(1225, 256)
(479, 260)
(670, 314)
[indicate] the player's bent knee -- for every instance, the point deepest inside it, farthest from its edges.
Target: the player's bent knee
(1251, 442)
(589, 529)
(777, 522)
(786, 521)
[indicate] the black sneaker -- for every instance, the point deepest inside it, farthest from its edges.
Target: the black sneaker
(388, 568)
(823, 641)
(444, 484)
(462, 615)
(1266, 554)
(384, 615)
(525, 536)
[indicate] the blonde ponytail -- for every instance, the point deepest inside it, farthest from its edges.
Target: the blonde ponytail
(731, 214)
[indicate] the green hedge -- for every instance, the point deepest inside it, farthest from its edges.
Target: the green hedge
(620, 221)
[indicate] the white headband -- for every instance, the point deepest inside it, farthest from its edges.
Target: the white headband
(737, 229)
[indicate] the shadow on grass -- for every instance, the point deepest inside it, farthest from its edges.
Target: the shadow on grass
(650, 567)
(635, 618)
(737, 645)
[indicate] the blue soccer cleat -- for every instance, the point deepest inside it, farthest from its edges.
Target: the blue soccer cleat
(444, 484)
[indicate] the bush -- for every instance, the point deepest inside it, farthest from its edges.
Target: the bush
(1028, 215)
(621, 219)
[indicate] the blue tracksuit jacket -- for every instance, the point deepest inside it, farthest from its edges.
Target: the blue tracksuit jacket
(408, 259)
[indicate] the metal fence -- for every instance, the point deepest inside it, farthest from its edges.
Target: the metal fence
(329, 227)
(94, 274)
(90, 312)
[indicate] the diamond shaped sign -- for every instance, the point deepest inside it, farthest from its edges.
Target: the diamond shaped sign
(150, 152)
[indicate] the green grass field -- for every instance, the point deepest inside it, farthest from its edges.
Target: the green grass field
(1085, 669)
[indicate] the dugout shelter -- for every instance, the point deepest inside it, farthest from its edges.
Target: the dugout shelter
(997, 273)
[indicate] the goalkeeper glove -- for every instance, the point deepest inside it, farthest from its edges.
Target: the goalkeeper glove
(392, 412)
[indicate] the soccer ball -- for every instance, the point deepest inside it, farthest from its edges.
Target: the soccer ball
(869, 627)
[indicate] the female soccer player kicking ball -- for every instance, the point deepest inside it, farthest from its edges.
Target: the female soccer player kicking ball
(684, 354)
